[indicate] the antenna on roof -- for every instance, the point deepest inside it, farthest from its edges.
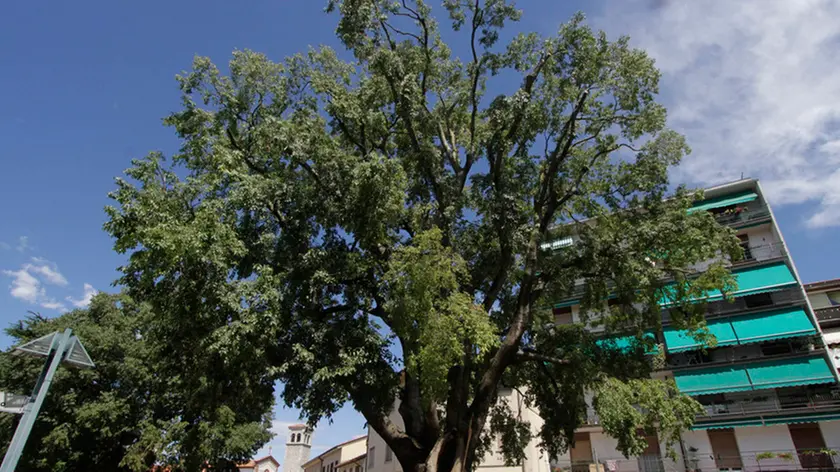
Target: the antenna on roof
(742, 176)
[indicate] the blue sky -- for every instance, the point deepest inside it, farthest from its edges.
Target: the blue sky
(753, 86)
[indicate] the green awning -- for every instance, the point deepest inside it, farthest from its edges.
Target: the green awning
(751, 281)
(759, 376)
(724, 201)
(566, 304)
(794, 419)
(759, 327)
(757, 421)
(681, 340)
(728, 424)
(753, 328)
(790, 372)
(713, 380)
(627, 343)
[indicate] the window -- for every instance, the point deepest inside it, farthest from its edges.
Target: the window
(808, 440)
(389, 454)
(557, 244)
(745, 245)
(725, 449)
(834, 297)
(775, 349)
(371, 457)
(758, 300)
(563, 316)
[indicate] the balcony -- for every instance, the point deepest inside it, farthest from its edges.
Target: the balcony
(743, 215)
(772, 404)
(764, 301)
(828, 317)
(760, 253)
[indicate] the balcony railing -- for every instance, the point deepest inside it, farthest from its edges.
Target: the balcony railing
(762, 253)
(705, 461)
(772, 405)
(743, 215)
(791, 296)
(828, 316)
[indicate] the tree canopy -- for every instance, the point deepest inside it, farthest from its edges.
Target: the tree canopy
(335, 218)
(129, 412)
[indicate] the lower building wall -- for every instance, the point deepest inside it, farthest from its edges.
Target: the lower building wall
(831, 434)
(775, 438)
(698, 450)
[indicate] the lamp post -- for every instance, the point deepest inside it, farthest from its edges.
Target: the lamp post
(56, 347)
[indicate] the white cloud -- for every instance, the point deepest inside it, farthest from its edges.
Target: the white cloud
(23, 244)
(87, 295)
(51, 304)
(25, 286)
(28, 283)
(753, 84)
(48, 270)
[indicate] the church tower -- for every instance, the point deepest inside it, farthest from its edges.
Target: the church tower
(297, 448)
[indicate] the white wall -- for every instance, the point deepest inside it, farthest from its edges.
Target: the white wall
(831, 434)
(775, 438)
(819, 300)
(605, 448)
(704, 455)
(266, 466)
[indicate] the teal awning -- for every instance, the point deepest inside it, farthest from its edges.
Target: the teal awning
(751, 280)
(758, 327)
(713, 380)
(681, 340)
(790, 372)
(762, 375)
(627, 343)
(740, 423)
(566, 304)
(724, 201)
(752, 328)
(753, 421)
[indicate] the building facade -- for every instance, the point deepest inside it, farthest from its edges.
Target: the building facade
(380, 458)
(348, 456)
(825, 300)
(769, 387)
(263, 464)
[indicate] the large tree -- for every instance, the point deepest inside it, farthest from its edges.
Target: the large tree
(126, 414)
(328, 223)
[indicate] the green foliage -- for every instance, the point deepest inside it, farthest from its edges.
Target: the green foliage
(764, 455)
(321, 213)
(126, 414)
(655, 405)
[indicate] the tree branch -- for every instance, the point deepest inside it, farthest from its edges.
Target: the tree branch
(533, 356)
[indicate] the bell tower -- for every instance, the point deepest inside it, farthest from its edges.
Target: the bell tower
(298, 446)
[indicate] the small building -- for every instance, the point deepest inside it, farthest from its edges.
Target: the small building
(263, 464)
(348, 456)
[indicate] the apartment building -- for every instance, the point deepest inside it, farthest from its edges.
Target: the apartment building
(825, 300)
(769, 388)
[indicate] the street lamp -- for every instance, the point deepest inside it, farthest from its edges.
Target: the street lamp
(56, 347)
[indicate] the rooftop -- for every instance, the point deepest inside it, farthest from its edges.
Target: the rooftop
(330, 450)
(822, 285)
